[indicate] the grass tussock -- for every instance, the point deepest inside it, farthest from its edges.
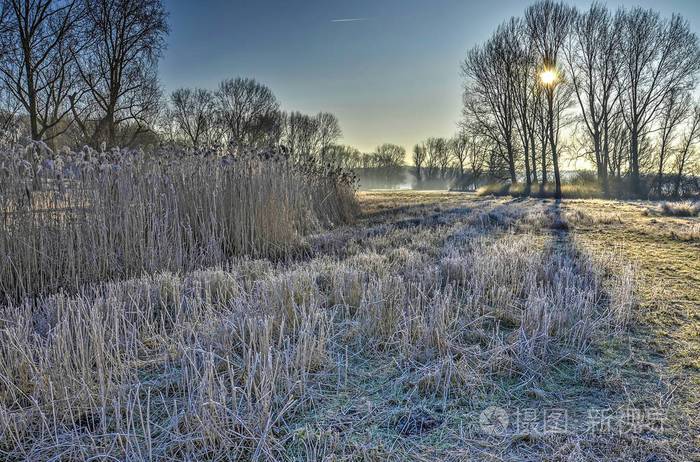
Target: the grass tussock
(71, 218)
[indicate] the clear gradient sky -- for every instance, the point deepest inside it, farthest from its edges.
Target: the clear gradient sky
(390, 75)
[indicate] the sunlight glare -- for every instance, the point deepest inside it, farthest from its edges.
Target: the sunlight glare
(548, 77)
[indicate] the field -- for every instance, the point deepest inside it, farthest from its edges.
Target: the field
(438, 326)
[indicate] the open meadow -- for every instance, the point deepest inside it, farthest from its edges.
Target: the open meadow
(494, 257)
(436, 326)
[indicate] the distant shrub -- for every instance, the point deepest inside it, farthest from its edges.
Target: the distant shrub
(578, 190)
(494, 189)
(680, 209)
(586, 177)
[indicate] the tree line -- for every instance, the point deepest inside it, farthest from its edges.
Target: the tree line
(614, 88)
(244, 112)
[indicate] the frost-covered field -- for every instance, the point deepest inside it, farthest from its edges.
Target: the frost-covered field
(439, 326)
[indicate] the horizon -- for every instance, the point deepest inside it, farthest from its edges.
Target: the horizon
(380, 68)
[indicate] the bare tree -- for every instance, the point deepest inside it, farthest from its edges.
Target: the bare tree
(346, 157)
(657, 57)
(431, 157)
(458, 147)
(249, 111)
(329, 132)
(299, 134)
(419, 155)
(437, 156)
(490, 80)
(618, 142)
(476, 150)
(390, 156)
(36, 65)
(548, 23)
(592, 58)
(673, 112)
(478, 153)
(10, 124)
(541, 131)
(117, 59)
(687, 148)
(193, 112)
(521, 52)
(529, 116)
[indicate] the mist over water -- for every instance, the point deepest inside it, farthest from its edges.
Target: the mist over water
(403, 178)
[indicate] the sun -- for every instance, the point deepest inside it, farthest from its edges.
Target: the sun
(548, 76)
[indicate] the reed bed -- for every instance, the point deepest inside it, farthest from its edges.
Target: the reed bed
(71, 218)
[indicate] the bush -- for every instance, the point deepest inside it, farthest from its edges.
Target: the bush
(681, 209)
(494, 189)
(578, 190)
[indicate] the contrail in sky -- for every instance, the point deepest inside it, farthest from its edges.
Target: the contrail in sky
(350, 19)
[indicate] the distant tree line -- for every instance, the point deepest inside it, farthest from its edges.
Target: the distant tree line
(614, 88)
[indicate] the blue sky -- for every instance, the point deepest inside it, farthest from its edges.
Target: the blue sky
(392, 76)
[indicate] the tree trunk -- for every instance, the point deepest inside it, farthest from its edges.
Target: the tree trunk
(679, 176)
(526, 146)
(511, 163)
(660, 176)
(677, 185)
(543, 184)
(533, 149)
(553, 144)
(634, 160)
(606, 159)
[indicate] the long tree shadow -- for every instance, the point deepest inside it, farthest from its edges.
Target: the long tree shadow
(614, 383)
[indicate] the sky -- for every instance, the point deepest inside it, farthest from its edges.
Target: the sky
(388, 69)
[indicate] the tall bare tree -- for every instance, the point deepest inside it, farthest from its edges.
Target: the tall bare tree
(592, 59)
(302, 136)
(36, 65)
(687, 150)
(329, 133)
(390, 156)
(548, 23)
(346, 157)
(193, 112)
(458, 147)
(521, 52)
(117, 62)
(432, 157)
(490, 73)
(657, 57)
(673, 112)
(249, 111)
(418, 157)
(9, 116)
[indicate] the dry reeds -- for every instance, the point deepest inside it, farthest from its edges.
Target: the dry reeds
(72, 218)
